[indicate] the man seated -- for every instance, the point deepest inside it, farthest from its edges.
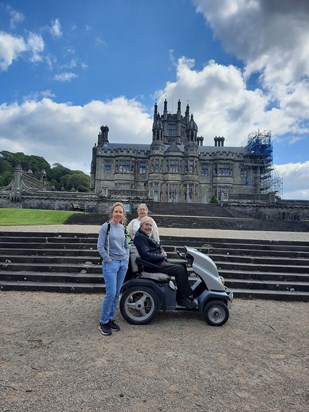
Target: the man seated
(152, 252)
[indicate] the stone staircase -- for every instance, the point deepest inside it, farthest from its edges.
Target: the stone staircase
(202, 216)
(70, 263)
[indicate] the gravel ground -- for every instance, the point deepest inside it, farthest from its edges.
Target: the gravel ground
(53, 358)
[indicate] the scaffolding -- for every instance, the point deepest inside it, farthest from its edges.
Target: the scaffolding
(259, 154)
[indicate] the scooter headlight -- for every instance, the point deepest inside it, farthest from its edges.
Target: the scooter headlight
(222, 280)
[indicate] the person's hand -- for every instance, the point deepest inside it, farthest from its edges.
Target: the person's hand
(109, 260)
(164, 253)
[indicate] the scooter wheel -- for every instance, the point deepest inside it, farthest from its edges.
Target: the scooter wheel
(216, 313)
(139, 305)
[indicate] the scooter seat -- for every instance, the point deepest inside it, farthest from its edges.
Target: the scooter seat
(161, 277)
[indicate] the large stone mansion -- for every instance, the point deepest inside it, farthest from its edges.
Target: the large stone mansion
(176, 167)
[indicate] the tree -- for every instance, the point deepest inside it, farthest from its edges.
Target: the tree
(213, 199)
(57, 176)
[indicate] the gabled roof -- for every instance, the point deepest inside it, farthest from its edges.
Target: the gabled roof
(174, 148)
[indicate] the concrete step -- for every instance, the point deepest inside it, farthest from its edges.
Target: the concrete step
(253, 267)
(52, 267)
(53, 277)
(264, 276)
(99, 287)
(261, 252)
(93, 253)
(70, 262)
(53, 286)
(51, 260)
(270, 294)
(35, 245)
(259, 260)
(267, 285)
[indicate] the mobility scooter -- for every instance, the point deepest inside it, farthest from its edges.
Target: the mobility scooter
(145, 293)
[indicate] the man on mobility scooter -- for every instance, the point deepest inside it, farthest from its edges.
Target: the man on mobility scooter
(148, 289)
(152, 252)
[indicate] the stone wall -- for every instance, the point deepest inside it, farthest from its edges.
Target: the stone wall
(89, 202)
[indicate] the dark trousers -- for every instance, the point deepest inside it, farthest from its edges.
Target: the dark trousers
(181, 276)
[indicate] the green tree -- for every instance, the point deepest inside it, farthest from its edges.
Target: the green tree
(57, 176)
(213, 199)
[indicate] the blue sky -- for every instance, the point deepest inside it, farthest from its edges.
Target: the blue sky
(67, 67)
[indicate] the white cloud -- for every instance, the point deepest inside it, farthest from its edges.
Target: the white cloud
(65, 77)
(99, 41)
(35, 46)
(272, 39)
(65, 134)
(222, 104)
(10, 49)
(16, 17)
(55, 28)
(295, 180)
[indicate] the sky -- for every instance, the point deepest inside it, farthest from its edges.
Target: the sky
(68, 67)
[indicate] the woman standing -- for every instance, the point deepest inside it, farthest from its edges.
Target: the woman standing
(133, 226)
(114, 249)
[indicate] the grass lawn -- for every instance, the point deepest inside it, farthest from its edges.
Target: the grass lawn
(20, 217)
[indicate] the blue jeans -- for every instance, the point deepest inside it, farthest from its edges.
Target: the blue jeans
(114, 273)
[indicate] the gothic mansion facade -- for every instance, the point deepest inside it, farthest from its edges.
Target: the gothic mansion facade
(176, 167)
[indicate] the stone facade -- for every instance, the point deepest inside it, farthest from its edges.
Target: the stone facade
(176, 167)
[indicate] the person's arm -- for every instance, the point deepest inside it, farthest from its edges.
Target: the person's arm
(142, 246)
(130, 229)
(126, 244)
(101, 243)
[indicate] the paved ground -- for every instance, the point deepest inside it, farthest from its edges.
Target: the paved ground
(207, 233)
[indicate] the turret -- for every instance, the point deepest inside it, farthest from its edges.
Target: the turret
(157, 129)
(179, 110)
(192, 130)
(103, 136)
(155, 112)
(165, 110)
(187, 114)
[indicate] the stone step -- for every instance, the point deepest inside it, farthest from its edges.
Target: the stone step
(99, 287)
(87, 258)
(264, 276)
(54, 267)
(259, 260)
(225, 253)
(79, 277)
(65, 238)
(51, 260)
(70, 265)
(267, 285)
(34, 245)
(270, 294)
(230, 254)
(249, 243)
(70, 262)
(260, 252)
(93, 253)
(252, 267)
(53, 286)
(47, 277)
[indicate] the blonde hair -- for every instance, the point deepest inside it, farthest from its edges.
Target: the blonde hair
(144, 205)
(124, 211)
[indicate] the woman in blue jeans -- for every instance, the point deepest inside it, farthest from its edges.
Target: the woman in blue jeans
(114, 249)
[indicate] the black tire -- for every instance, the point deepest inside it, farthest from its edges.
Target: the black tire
(139, 305)
(216, 313)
